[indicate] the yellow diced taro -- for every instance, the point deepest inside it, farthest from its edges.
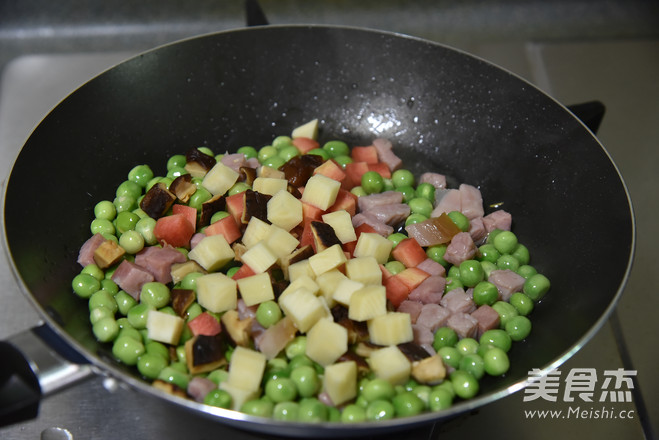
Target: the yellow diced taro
(303, 307)
(284, 210)
(370, 244)
(256, 230)
(329, 259)
(366, 270)
(269, 185)
(308, 130)
(219, 179)
(259, 257)
(341, 222)
(302, 282)
(256, 289)
(321, 191)
(301, 268)
(217, 292)
(326, 341)
(392, 328)
(280, 241)
(212, 252)
(367, 303)
(344, 290)
(340, 382)
(163, 327)
(246, 368)
(328, 282)
(390, 364)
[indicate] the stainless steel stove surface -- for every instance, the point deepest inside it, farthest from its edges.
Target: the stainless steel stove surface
(622, 74)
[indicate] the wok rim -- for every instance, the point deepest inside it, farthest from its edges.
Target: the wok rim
(246, 422)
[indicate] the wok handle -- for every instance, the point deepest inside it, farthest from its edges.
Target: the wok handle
(34, 364)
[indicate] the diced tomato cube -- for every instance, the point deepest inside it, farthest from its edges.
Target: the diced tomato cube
(396, 290)
(305, 144)
(411, 277)
(355, 171)
(174, 230)
(381, 168)
(345, 201)
(188, 211)
(227, 227)
(244, 272)
(235, 206)
(364, 154)
(331, 169)
(409, 252)
(205, 324)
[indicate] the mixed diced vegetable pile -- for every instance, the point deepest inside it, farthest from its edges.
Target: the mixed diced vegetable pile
(306, 282)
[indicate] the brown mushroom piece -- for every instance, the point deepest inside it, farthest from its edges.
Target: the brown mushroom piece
(324, 236)
(296, 256)
(256, 205)
(238, 329)
(210, 207)
(247, 175)
(180, 270)
(181, 300)
(430, 370)
(183, 187)
(157, 200)
(205, 353)
(198, 163)
(300, 168)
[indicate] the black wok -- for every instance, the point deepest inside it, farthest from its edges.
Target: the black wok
(444, 110)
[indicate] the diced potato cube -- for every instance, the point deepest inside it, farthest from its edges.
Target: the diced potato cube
(321, 191)
(308, 130)
(326, 341)
(329, 259)
(340, 381)
(219, 179)
(392, 328)
(367, 303)
(212, 252)
(303, 282)
(365, 270)
(391, 364)
(269, 185)
(256, 289)
(301, 268)
(284, 210)
(341, 222)
(256, 230)
(259, 257)
(370, 244)
(280, 241)
(217, 292)
(344, 290)
(303, 307)
(163, 327)
(246, 368)
(328, 282)
(238, 395)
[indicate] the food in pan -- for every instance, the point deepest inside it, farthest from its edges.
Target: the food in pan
(306, 282)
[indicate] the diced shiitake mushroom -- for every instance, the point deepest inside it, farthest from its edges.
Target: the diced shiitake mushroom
(238, 329)
(157, 200)
(108, 254)
(198, 163)
(205, 353)
(183, 187)
(323, 236)
(181, 300)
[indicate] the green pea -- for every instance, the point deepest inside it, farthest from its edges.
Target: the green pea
(426, 190)
(232, 271)
(219, 215)
(485, 293)
(288, 153)
(127, 349)
(471, 273)
(488, 268)
(423, 393)
(505, 242)
(473, 364)
(436, 253)
(507, 262)
(358, 191)
(306, 380)
(336, 148)
(450, 355)
(415, 218)
(94, 270)
(258, 407)
(444, 337)
(407, 404)
(497, 337)
(199, 197)
(123, 323)
(138, 314)
(282, 142)
(467, 346)
(218, 376)
(180, 354)
(378, 389)
(145, 227)
(173, 375)
(155, 294)
(218, 398)
(286, 411)
(84, 285)
(526, 271)
(248, 151)
(178, 160)
(296, 347)
(388, 184)
(319, 152)
(268, 313)
(522, 303)
(105, 210)
(110, 286)
(439, 399)
(372, 182)
(518, 327)
(460, 220)
(102, 226)
(102, 298)
(189, 281)
(394, 267)
(132, 242)
(464, 384)
(495, 362)
(129, 332)
(353, 413)
(157, 348)
(521, 253)
(408, 191)
(150, 365)
(311, 410)
(266, 153)
(299, 360)
(420, 205)
(402, 178)
(505, 311)
(207, 151)
(125, 203)
(453, 283)
(396, 238)
(274, 162)
(99, 313)
(152, 182)
(380, 410)
(488, 252)
(140, 174)
(175, 172)
(281, 389)
(237, 188)
(492, 235)
(129, 188)
(453, 271)
(536, 286)
(342, 160)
